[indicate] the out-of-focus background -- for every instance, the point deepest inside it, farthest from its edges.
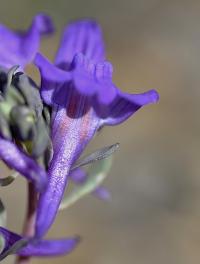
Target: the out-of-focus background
(154, 214)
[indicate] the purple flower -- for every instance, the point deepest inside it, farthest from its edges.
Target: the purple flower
(19, 48)
(40, 248)
(83, 98)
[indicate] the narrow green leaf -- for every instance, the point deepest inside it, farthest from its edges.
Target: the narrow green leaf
(97, 155)
(2, 243)
(30, 92)
(96, 175)
(2, 223)
(11, 72)
(9, 179)
(41, 139)
(4, 126)
(3, 214)
(47, 115)
(13, 96)
(15, 248)
(22, 121)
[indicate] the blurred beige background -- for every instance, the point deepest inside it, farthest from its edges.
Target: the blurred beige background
(154, 214)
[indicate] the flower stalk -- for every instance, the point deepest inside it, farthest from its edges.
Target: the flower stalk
(29, 224)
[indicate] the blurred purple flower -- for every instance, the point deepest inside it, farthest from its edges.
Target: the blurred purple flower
(79, 176)
(83, 98)
(19, 48)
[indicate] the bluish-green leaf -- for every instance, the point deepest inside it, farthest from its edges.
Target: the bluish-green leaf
(3, 214)
(96, 175)
(97, 155)
(14, 248)
(2, 223)
(9, 179)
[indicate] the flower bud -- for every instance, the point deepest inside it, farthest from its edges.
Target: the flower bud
(22, 123)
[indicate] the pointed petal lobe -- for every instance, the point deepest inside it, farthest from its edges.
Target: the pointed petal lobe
(124, 106)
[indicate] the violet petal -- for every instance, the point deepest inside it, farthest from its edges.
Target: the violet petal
(47, 248)
(51, 76)
(19, 48)
(83, 36)
(41, 248)
(21, 162)
(124, 106)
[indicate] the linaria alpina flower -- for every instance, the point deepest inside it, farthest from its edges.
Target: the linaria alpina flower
(83, 98)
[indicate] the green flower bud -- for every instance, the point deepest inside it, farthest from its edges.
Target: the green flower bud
(22, 122)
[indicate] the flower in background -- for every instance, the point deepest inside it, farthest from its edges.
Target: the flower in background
(19, 48)
(80, 176)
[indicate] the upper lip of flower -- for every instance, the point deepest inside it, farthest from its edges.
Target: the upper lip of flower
(90, 79)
